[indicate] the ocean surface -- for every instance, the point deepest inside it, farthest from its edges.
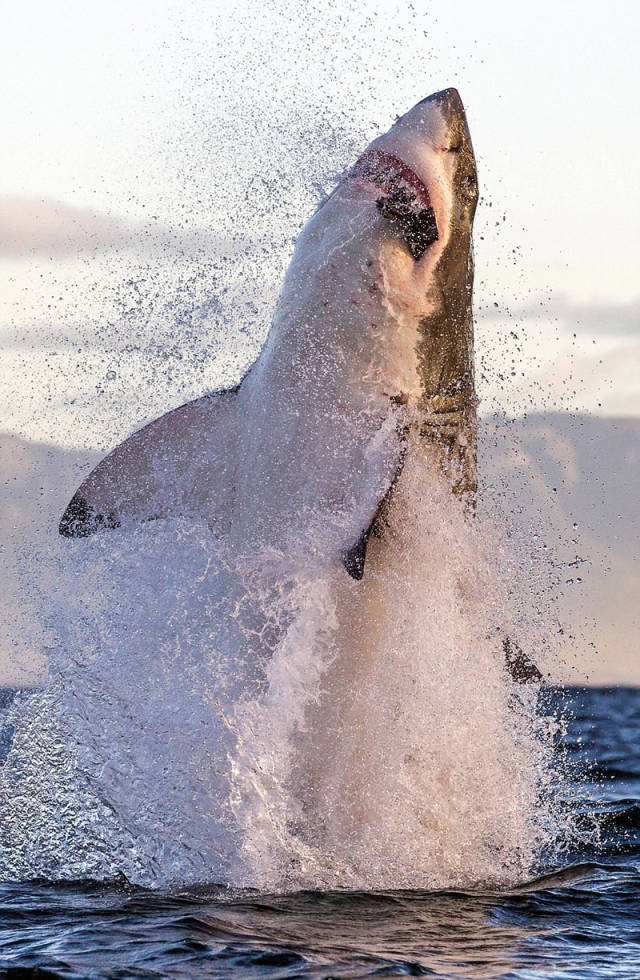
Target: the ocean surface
(578, 918)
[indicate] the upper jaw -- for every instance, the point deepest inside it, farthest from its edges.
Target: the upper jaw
(387, 171)
(448, 102)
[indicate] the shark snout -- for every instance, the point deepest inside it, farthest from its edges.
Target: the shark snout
(448, 101)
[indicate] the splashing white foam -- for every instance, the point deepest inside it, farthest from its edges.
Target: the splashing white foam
(282, 729)
(391, 748)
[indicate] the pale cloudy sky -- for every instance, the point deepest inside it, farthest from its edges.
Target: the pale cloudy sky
(158, 159)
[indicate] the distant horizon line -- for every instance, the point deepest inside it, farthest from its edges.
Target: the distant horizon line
(502, 417)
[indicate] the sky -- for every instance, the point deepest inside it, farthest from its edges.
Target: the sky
(159, 158)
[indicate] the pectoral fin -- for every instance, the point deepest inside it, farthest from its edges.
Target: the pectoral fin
(180, 464)
(353, 558)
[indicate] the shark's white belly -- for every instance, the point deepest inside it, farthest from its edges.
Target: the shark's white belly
(321, 444)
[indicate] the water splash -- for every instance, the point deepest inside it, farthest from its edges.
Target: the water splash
(274, 725)
(393, 750)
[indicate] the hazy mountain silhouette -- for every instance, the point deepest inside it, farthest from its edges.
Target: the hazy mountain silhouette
(573, 479)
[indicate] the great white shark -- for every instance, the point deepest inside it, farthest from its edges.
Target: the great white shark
(369, 360)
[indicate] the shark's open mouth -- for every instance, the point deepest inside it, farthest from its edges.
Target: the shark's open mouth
(405, 200)
(388, 172)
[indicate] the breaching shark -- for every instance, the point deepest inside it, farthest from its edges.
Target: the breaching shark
(369, 359)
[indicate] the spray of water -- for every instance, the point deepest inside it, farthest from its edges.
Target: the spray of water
(255, 719)
(393, 750)
(267, 723)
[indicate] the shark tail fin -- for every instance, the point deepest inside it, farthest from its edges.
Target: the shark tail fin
(180, 464)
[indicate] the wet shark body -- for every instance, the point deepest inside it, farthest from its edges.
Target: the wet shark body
(369, 359)
(372, 337)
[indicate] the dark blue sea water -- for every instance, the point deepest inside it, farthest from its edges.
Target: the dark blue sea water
(579, 920)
